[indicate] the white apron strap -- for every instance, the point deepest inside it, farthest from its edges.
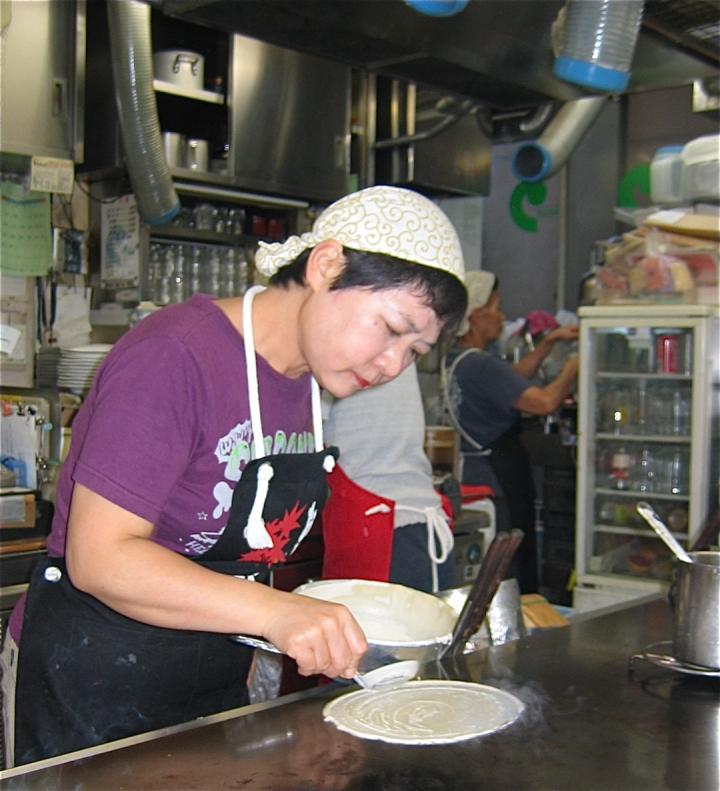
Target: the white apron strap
(255, 532)
(253, 389)
(438, 530)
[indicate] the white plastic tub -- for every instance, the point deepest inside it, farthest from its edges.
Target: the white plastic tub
(701, 169)
(666, 176)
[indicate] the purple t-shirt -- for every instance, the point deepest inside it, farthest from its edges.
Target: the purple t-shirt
(165, 430)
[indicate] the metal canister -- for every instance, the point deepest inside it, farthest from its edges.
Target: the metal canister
(696, 603)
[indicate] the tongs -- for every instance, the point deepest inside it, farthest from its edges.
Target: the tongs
(492, 572)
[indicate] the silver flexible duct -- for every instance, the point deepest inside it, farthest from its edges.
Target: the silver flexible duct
(595, 42)
(538, 159)
(131, 53)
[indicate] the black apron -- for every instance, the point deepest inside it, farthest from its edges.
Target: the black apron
(511, 464)
(88, 675)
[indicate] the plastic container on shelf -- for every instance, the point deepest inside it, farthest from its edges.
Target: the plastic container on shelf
(701, 169)
(666, 176)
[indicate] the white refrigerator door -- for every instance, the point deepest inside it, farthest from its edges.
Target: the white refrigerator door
(648, 430)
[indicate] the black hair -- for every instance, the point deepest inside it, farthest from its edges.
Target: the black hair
(444, 292)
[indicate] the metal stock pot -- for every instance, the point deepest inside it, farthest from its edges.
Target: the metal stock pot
(696, 610)
(183, 68)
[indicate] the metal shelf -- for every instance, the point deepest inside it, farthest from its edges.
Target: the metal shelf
(635, 375)
(634, 531)
(184, 234)
(188, 93)
(665, 439)
(631, 493)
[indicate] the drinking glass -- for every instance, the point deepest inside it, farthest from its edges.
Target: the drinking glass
(660, 409)
(205, 215)
(680, 424)
(644, 471)
(673, 475)
(236, 219)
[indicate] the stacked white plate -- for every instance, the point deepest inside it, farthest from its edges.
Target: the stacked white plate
(79, 364)
(47, 362)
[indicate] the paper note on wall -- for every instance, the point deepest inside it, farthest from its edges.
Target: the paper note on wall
(120, 241)
(16, 310)
(25, 231)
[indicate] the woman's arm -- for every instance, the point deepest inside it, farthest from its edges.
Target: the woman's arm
(544, 400)
(528, 366)
(111, 557)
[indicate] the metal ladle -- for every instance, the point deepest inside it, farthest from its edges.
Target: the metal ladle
(650, 516)
(384, 677)
(388, 676)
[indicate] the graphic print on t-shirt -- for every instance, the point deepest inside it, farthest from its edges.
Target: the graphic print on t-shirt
(233, 452)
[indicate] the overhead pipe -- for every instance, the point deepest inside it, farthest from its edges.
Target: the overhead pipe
(536, 160)
(597, 41)
(537, 119)
(437, 7)
(454, 112)
(131, 55)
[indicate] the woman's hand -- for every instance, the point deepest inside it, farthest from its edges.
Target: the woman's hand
(322, 637)
(567, 334)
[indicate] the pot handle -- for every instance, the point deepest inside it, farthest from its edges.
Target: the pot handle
(180, 59)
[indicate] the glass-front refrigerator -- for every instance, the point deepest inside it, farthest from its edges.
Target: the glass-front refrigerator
(647, 431)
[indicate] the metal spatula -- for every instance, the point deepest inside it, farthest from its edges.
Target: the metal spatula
(492, 571)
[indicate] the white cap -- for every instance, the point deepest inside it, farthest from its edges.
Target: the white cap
(479, 287)
(388, 220)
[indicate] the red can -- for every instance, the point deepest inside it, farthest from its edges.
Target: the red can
(258, 225)
(667, 348)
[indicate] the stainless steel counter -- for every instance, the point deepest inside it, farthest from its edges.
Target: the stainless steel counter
(588, 724)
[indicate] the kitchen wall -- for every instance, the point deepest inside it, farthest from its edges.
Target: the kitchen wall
(538, 238)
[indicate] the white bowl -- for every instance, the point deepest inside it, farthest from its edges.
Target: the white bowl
(400, 623)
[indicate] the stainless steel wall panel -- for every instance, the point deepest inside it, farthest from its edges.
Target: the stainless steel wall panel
(290, 121)
(37, 78)
(455, 161)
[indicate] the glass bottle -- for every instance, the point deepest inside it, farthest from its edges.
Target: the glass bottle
(195, 270)
(681, 412)
(212, 272)
(678, 477)
(643, 477)
(620, 464)
(177, 280)
(641, 408)
(620, 410)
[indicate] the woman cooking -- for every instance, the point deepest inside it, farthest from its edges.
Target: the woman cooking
(197, 462)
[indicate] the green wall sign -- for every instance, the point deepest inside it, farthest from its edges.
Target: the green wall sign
(634, 189)
(532, 193)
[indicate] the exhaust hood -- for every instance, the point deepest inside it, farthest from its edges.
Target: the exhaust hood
(496, 52)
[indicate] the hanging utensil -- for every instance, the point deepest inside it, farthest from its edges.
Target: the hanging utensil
(650, 516)
(492, 571)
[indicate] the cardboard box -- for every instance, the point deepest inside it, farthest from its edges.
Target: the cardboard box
(17, 511)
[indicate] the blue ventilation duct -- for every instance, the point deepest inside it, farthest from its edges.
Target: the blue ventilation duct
(437, 7)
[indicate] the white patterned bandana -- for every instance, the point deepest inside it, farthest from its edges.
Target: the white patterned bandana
(388, 220)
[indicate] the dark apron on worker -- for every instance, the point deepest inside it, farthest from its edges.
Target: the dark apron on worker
(88, 675)
(511, 464)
